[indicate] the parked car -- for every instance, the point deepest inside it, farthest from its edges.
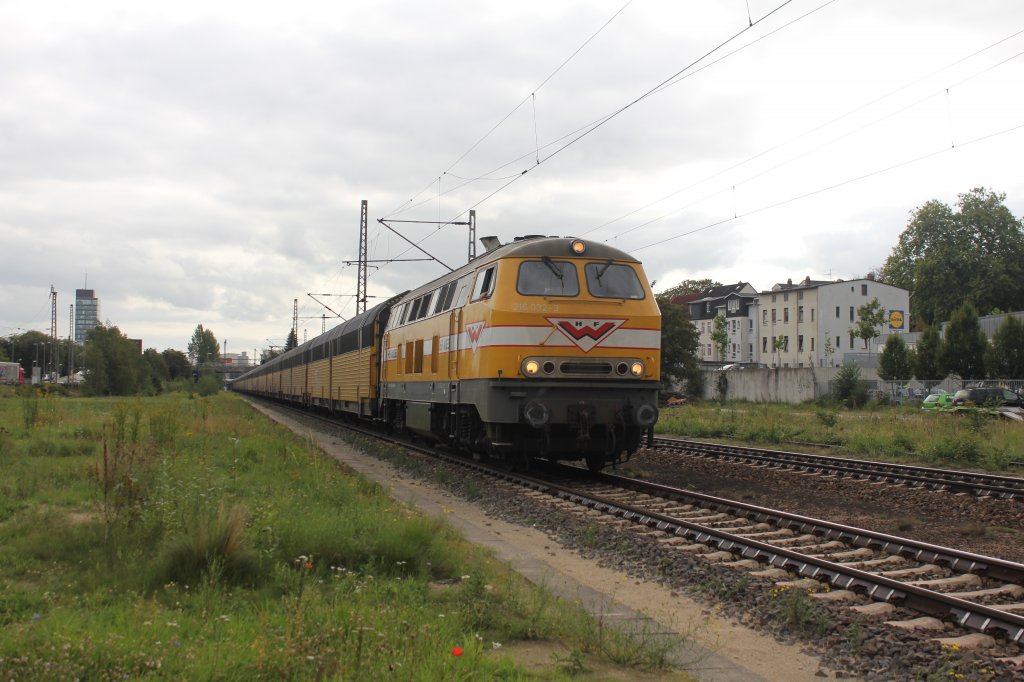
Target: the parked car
(937, 401)
(989, 396)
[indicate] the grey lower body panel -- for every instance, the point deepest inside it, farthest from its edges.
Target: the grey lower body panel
(500, 401)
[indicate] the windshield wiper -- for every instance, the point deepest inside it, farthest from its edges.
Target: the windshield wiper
(551, 266)
(603, 269)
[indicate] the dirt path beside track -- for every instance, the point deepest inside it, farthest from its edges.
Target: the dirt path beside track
(717, 649)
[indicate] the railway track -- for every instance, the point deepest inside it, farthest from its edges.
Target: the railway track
(983, 594)
(874, 573)
(968, 482)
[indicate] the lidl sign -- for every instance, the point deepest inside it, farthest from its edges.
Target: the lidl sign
(896, 319)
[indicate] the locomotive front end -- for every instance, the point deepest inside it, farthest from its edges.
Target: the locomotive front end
(576, 353)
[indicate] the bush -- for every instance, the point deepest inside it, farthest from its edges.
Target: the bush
(964, 450)
(848, 387)
(208, 384)
(212, 550)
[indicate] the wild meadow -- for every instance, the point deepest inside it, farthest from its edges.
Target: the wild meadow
(188, 537)
(969, 439)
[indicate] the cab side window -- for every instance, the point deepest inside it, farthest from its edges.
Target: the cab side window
(484, 283)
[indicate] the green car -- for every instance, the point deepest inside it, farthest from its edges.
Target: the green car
(937, 401)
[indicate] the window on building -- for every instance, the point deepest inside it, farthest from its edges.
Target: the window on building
(764, 316)
(800, 343)
(785, 296)
(773, 298)
(785, 344)
(812, 344)
(812, 314)
(750, 325)
(799, 295)
(773, 316)
(851, 340)
(733, 305)
(800, 314)
(734, 323)
(764, 344)
(750, 351)
(863, 289)
(785, 314)
(837, 312)
(838, 344)
(851, 313)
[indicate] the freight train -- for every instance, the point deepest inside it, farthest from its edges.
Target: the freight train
(545, 347)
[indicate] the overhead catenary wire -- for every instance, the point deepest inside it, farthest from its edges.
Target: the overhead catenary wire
(581, 132)
(821, 190)
(810, 131)
(531, 96)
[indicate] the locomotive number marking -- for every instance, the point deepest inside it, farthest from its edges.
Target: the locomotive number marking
(535, 307)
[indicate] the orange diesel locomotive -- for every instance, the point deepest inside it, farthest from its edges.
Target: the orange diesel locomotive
(544, 347)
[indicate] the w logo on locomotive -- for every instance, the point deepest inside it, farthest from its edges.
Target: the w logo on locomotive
(587, 332)
(473, 331)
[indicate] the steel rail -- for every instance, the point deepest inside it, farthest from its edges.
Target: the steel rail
(977, 484)
(880, 588)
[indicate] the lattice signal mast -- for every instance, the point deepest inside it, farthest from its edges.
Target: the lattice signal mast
(53, 313)
(361, 272)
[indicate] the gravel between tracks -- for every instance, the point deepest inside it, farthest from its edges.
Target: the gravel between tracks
(982, 525)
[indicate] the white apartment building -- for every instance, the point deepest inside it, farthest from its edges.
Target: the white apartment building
(737, 304)
(810, 324)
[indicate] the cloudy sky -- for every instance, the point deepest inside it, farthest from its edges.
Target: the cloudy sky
(204, 162)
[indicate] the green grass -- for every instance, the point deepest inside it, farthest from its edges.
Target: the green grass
(187, 538)
(900, 434)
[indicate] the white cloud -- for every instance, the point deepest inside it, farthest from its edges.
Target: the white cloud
(204, 162)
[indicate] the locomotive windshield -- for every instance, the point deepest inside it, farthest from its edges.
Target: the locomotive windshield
(609, 280)
(547, 278)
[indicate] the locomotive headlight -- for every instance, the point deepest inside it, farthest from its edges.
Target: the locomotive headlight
(637, 369)
(579, 246)
(531, 367)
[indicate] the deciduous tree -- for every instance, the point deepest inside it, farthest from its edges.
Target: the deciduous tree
(158, 373)
(870, 317)
(679, 340)
(946, 257)
(688, 286)
(177, 363)
(112, 364)
(720, 336)
(203, 348)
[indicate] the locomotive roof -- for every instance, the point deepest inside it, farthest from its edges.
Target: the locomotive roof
(534, 246)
